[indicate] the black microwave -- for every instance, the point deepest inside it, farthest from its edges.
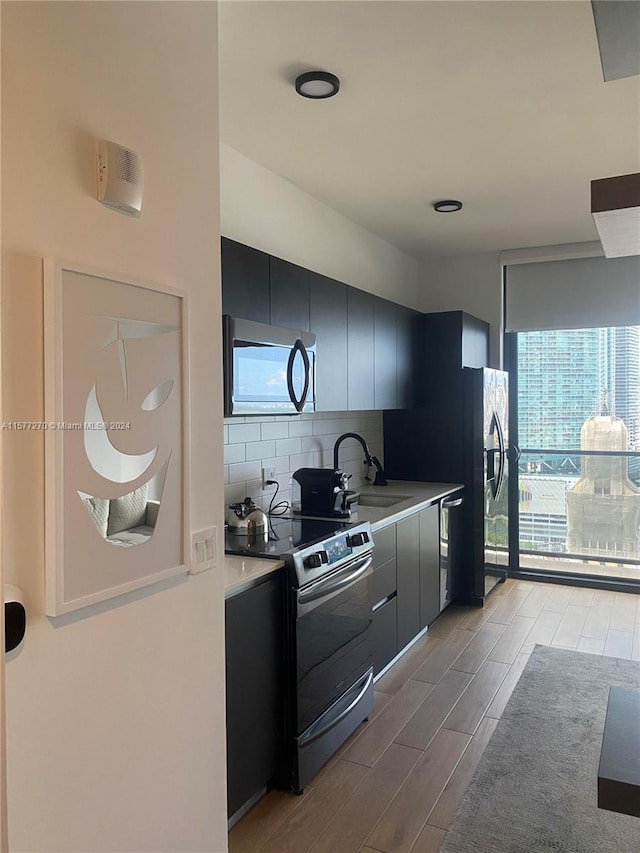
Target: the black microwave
(267, 370)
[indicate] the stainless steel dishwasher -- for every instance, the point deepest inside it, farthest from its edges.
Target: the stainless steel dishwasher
(449, 549)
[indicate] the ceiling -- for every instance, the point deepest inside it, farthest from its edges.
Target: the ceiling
(499, 104)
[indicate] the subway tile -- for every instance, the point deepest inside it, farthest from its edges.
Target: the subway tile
(234, 493)
(244, 471)
(234, 453)
(234, 420)
(287, 446)
(226, 474)
(275, 430)
(280, 463)
(297, 428)
(244, 432)
(310, 443)
(302, 460)
(225, 434)
(260, 449)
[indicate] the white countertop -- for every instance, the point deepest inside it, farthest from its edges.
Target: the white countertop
(243, 572)
(418, 495)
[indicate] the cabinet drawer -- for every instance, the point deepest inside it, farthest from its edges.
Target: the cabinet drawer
(385, 642)
(385, 545)
(384, 581)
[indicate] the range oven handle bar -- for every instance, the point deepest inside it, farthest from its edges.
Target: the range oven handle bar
(312, 735)
(332, 584)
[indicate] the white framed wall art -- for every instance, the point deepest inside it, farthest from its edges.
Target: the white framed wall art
(116, 435)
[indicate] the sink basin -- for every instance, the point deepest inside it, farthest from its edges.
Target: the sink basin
(381, 500)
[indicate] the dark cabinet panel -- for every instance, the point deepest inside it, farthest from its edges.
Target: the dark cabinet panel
(405, 319)
(429, 565)
(385, 356)
(328, 321)
(408, 571)
(289, 295)
(360, 349)
(245, 281)
(385, 545)
(475, 341)
(254, 631)
(384, 581)
(385, 642)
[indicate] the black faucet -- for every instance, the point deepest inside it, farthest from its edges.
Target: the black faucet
(380, 479)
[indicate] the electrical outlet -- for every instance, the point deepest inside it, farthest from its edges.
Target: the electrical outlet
(204, 550)
(268, 474)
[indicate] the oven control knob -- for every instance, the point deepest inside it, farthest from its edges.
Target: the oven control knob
(314, 561)
(357, 539)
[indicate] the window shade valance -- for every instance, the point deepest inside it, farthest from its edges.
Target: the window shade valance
(573, 294)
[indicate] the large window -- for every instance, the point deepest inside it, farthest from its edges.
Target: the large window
(578, 409)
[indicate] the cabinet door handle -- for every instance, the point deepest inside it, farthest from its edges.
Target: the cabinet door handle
(451, 502)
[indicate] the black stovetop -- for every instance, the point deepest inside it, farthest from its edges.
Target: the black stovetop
(284, 536)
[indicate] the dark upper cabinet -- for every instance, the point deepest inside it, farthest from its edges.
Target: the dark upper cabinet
(254, 632)
(385, 354)
(429, 564)
(289, 286)
(408, 579)
(245, 282)
(328, 321)
(443, 344)
(360, 349)
(405, 319)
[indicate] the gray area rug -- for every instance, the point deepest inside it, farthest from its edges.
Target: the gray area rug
(535, 788)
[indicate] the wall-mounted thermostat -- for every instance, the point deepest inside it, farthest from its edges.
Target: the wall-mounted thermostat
(119, 178)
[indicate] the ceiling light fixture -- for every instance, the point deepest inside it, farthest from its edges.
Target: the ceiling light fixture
(447, 206)
(317, 84)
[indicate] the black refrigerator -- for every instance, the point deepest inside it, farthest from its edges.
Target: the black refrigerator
(461, 435)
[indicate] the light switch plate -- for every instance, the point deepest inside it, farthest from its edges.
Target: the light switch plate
(204, 550)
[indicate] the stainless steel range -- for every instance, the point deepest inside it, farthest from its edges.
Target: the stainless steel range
(329, 649)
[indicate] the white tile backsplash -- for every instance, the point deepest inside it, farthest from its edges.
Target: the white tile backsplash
(289, 443)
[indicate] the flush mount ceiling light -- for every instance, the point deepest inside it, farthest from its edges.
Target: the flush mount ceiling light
(317, 84)
(447, 206)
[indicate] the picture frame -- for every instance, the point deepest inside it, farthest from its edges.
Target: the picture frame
(116, 434)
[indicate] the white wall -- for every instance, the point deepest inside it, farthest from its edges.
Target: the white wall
(471, 283)
(262, 209)
(115, 715)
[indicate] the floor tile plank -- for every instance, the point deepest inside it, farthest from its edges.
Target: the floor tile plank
(503, 695)
(510, 606)
(449, 620)
(570, 627)
(302, 827)
(619, 644)
(472, 658)
(559, 599)
(370, 745)
(401, 672)
(591, 646)
(508, 646)
(429, 841)
(441, 659)
(448, 802)
(349, 828)
(624, 612)
(262, 821)
(582, 596)
(534, 603)
(402, 822)
(428, 718)
(543, 630)
(470, 708)
(598, 620)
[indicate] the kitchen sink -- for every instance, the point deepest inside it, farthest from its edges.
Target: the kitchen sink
(381, 500)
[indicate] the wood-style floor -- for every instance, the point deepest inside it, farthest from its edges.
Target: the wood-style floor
(396, 784)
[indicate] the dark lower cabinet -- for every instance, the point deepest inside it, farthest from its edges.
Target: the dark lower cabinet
(429, 564)
(408, 545)
(385, 638)
(254, 631)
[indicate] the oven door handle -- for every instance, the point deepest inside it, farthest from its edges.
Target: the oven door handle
(333, 584)
(311, 735)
